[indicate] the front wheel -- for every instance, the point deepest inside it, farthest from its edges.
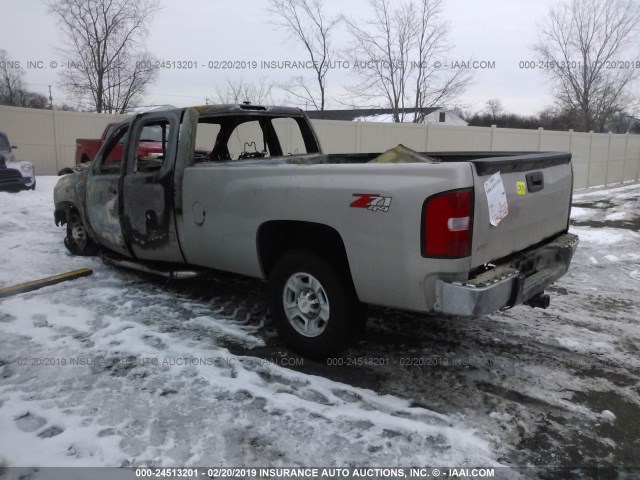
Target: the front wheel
(77, 240)
(313, 304)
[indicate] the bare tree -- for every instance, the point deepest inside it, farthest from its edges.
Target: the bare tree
(110, 68)
(127, 80)
(13, 90)
(241, 91)
(623, 123)
(399, 57)
(581, 41)
(307, 22)
(494, 108)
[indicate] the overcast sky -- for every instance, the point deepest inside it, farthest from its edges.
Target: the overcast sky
(500, 31)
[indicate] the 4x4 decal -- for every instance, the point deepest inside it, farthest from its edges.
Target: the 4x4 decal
(372, 201)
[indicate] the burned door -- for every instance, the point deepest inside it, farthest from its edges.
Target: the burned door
(103, 190)
(149, 222)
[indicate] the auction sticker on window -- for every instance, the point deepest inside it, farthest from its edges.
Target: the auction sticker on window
(496, 198)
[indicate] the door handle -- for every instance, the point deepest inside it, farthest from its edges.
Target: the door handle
(535, 181)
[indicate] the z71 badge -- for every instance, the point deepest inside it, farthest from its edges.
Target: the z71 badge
(372, 201)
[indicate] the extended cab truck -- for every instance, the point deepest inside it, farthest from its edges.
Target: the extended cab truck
(458, 233)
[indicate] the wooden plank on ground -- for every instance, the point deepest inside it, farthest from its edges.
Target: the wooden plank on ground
(44, 282)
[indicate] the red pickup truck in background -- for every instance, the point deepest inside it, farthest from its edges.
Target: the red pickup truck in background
(150, 144)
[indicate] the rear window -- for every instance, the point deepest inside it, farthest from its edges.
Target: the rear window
(238, 137)
(152, 133)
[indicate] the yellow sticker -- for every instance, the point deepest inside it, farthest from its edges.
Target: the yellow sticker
(521, 187)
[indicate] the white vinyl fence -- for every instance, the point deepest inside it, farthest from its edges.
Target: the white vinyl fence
(48, 139)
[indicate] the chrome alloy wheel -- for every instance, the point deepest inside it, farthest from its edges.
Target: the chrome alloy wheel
(306, 304)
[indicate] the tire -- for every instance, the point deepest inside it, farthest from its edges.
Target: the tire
(32, 187)
(322, 304)
(78, 241)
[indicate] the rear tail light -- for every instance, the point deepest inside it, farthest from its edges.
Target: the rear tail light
(447, 222)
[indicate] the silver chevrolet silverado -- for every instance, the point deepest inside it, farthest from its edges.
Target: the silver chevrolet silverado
(246, 189)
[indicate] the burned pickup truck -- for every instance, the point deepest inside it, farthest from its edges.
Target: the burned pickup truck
(458, 233)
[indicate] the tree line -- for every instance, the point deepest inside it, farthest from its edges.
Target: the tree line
(551, 118)
(13, 89)
(402, 44)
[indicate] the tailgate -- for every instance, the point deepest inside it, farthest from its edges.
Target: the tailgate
(537, 189)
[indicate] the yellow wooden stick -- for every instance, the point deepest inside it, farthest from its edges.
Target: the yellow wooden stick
(45, 282)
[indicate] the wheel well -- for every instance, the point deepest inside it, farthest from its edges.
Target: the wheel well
(278, 237)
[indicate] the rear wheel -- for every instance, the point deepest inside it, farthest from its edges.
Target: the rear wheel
(77, 240)
(313, 304)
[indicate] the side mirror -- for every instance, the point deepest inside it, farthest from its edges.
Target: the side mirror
(14, 147)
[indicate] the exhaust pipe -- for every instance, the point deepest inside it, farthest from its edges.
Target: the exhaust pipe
(167, 272)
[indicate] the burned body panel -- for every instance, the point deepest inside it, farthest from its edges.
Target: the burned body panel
(103, 211)
(148, 191)
(70, 193)
(146, 216)
(101, 195)
(148, 220)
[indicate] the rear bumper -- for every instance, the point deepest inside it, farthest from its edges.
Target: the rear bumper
(521, 278)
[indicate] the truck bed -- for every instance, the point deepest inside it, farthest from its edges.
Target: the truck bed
(537, 213)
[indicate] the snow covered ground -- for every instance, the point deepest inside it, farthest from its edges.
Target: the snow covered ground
(119, 369)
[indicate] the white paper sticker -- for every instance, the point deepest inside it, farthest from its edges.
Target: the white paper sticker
(496, 198)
